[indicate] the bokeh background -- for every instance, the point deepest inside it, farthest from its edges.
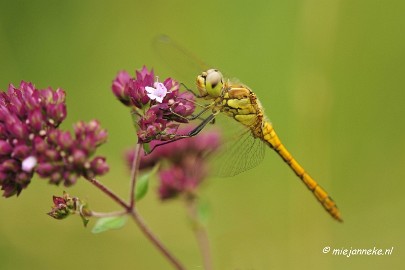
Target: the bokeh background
(330, 75)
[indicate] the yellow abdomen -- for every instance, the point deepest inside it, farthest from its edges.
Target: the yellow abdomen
(271, 138)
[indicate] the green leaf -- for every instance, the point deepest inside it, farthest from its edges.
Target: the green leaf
(203, 212)
(142, 183)
(146, 147)
(142, 186)
(109, 223)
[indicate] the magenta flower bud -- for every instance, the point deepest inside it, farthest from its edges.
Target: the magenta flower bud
(59, 96)
(101, 137)
(21, 151)
(51, 155)
(55, 177)
(52, 136)
(5, 148)
(64, 140)
(36, 120)
(172, 182)
(45, 169)
(56, 113)
(137, 93)
(78, 157)
(10, 166)
(99, 166)
(10, 188)
(120, 89)
(4, 113)
(185, 105)
(23, 178)
(171, 85)
(70, 179)
(3, 131)
(16, 128)
(148, 77)
(58, 200)
(60, 211)
(40, 145)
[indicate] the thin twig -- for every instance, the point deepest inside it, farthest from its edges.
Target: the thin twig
(155, 241)
(108, 214)
(200, 234)
(134, 174)
(109, 193)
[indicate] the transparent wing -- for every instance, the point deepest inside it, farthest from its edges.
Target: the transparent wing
(184, 65)
(240, 150)
(239, 156)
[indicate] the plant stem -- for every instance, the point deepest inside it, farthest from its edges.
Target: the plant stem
(130, 209)
(134, 175)
(155, 241)
(200, 233)
(109, 193)
(109, 214)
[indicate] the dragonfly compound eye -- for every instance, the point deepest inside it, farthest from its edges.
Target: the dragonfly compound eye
(214, 83)
(201, 84)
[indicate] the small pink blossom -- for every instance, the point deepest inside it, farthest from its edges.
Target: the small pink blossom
(157, 93)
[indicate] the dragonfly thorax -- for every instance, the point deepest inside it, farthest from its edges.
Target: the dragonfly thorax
(210, 83)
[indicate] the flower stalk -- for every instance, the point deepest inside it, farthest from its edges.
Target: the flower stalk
(130, 209)
(199, 232)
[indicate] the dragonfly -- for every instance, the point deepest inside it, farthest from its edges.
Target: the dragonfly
(237, 101)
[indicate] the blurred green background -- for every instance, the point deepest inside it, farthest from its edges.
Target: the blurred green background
(330, 75)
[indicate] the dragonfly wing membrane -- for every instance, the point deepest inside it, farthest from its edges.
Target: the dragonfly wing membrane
(183, 64)
(239, 152)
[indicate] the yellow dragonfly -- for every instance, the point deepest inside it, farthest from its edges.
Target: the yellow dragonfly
(239, 102)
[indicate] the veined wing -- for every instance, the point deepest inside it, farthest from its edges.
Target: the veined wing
(183, 64)
(240, 150)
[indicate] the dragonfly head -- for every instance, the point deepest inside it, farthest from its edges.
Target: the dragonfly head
(210, 83)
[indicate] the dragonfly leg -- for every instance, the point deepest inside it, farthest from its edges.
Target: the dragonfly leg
(192, 133)
(192, 117)
(190, 90)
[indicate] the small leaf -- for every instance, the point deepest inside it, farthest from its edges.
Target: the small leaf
(203, 212)
(146, 148)
(142, 184)
(109, 223)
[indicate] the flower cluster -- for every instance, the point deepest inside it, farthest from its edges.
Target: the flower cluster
(66, 205)
(65, 158)
(188, 163)
(30, 140)
(159, 107)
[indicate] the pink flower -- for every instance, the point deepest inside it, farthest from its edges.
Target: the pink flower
(157, 93)
(31, 142)
(187, 167)
(158, 107)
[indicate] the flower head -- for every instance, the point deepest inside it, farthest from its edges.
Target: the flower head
(66, 205)
(159, 107)
(31, 142)
(187, 161)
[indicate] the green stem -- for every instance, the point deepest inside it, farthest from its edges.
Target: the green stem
(131, 210)
(134, 174)
(109, 214)
(200, 233)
